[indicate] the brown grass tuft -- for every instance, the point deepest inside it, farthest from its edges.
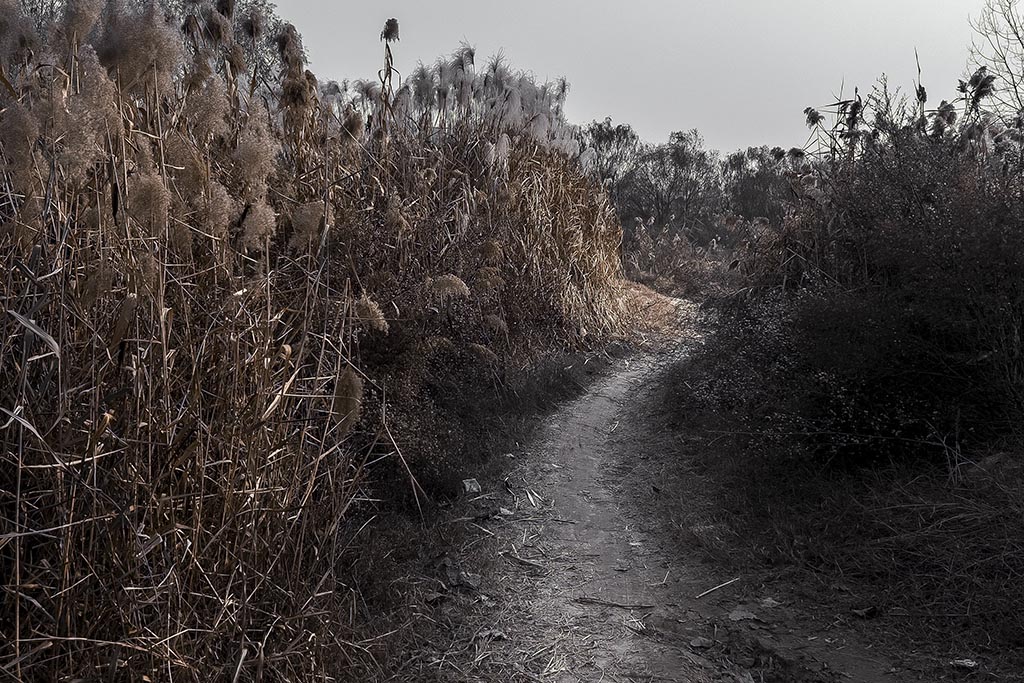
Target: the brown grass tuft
(176, 481)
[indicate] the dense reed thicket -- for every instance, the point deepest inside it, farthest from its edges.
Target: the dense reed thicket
(226, 286)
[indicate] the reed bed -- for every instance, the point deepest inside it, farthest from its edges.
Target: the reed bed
(222, 281)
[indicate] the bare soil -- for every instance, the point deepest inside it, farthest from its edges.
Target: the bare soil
(588, 562)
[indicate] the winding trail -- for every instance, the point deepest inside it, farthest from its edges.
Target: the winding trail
(596, 607)
(586, 586)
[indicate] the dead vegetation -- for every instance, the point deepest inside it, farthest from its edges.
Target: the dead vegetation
(229, 289)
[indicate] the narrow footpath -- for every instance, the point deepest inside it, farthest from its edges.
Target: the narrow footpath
(582, 585)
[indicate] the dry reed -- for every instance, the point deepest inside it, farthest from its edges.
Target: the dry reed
(178, 446)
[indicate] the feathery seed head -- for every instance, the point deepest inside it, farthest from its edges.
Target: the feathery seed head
(226, 8)
(496, 323)
(540, 126)
(348, 401)
(80, 17)
(491, 252)
(218, 26)
(370, 314)
(813, 117)
(234, 55)
(219, 210)
(466, 55)
(289, 48)
(150, 201)
(295, 93)
(210, 109)
(422, 80)
(448, 286)
(192, 30)
(367, 91)
(438, 345)
(390, 32)
(489, 280)
(502, 148)
(254, 157)
(484, 354)
(18, 133)
(18, 38)
(253, 25)
(140, 46)
(200, 70)
(489, 156)
(353, 124)
(307, 222)
(186, 166)
(259, 225)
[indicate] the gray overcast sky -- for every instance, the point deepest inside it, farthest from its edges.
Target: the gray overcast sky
(740, 71)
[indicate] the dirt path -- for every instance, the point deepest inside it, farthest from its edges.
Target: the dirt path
(586, 586)
(608, 580)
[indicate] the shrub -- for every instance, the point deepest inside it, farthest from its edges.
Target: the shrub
(902, 261)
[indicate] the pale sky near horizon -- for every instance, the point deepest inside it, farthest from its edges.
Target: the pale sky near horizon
(739, 71)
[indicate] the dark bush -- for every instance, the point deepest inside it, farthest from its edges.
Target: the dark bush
(902, 267)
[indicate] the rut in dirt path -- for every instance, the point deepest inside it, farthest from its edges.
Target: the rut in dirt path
(603, 598)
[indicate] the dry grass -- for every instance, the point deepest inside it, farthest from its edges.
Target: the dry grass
(214, 320)
(937, 566)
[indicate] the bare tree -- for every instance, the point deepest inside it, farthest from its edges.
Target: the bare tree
(999, 45)
(617, 150)
(677, 185)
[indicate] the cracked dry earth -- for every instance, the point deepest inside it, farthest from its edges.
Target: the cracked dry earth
(585, 588)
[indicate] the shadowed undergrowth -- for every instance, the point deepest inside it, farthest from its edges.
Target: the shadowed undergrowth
(929, 558)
